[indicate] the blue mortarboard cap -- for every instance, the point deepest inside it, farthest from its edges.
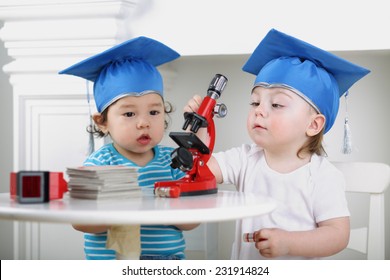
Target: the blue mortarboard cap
(318, 76)
(127, 69)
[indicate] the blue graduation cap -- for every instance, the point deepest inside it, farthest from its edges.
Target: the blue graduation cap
(127, 69)
(318, 76)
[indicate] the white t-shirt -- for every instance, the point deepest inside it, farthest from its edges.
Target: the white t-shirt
(313, 193)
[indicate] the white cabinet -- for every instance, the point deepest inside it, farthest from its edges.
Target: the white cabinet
(50, 112)
(52, 136)
(53, 132)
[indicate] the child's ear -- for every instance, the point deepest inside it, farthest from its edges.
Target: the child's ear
(98, 119)
(316, 125)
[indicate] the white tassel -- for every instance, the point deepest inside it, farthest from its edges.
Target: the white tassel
(91, 141)
(347, 144)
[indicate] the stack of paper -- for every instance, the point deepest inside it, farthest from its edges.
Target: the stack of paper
(95, 182)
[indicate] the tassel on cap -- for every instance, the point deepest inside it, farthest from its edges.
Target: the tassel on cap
(91, 142)
(347, 145)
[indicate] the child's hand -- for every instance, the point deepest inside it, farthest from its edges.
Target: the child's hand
(272, 243)
(193, 104)
(193, 107)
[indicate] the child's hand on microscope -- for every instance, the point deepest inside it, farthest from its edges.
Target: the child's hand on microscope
(193, 104)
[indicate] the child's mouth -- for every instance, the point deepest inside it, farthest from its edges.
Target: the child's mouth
(257, 126)
(144, 139)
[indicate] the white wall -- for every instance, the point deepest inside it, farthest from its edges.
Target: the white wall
(234, 27)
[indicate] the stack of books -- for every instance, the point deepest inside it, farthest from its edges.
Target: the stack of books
(96, 182)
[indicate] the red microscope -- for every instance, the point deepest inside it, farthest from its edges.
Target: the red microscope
(192, 154)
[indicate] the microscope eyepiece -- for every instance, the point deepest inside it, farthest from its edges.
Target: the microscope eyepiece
(216, 86)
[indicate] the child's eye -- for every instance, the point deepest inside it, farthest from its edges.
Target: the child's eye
(276, 105)
(254, 104)
(154, 112)
(129, 114)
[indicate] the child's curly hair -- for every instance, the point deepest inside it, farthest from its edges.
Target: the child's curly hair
(313, 145)
(94, 129)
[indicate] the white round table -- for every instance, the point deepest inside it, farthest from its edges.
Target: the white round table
(147, 209)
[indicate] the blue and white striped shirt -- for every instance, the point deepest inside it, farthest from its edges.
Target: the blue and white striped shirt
(156, 240)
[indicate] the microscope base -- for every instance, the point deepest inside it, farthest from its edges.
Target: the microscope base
(195, 192)
(185, 188)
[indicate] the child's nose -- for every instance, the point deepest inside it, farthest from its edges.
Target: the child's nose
(261, 110)
(143, 122)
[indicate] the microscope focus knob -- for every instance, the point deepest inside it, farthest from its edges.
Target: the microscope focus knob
(220, 110)
(182, 159)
